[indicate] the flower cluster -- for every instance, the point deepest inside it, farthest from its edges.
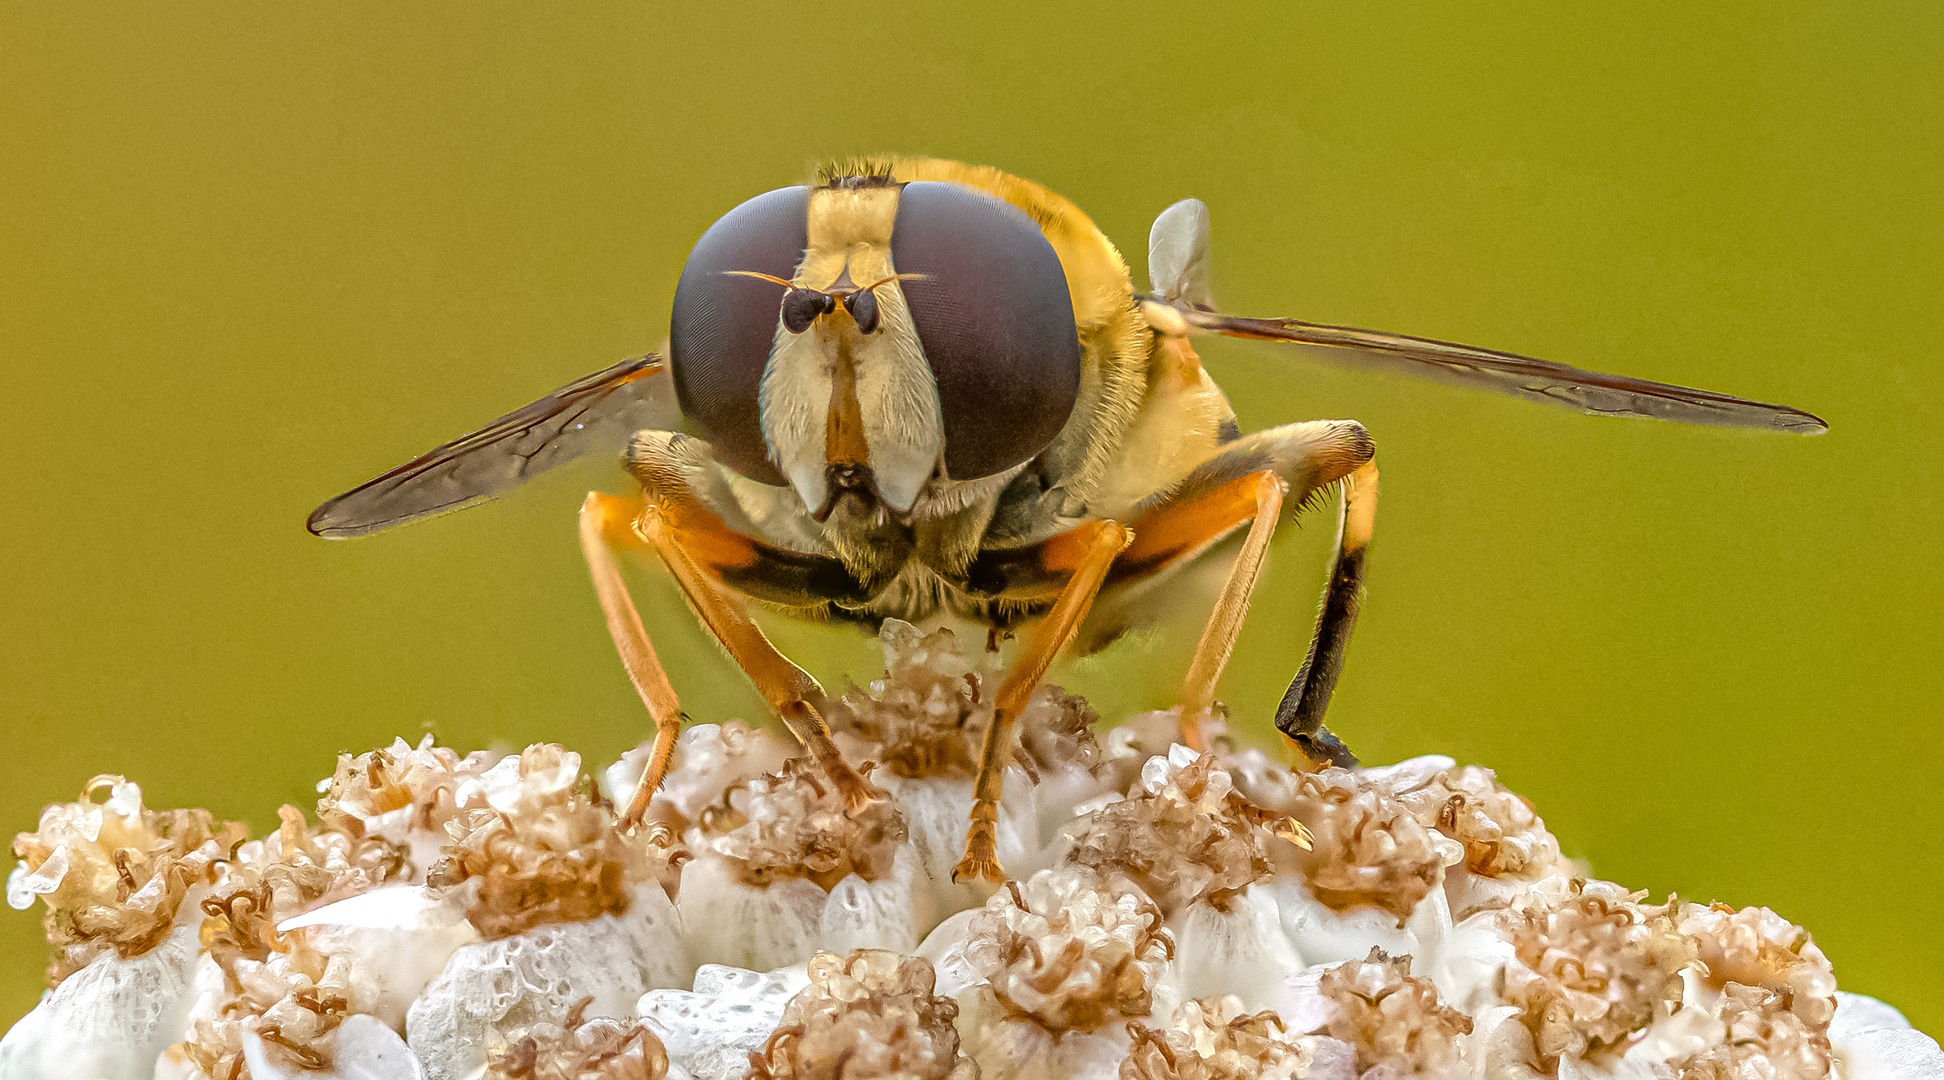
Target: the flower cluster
(1172, 915)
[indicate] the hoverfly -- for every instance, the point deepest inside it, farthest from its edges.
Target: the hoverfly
(921, 388)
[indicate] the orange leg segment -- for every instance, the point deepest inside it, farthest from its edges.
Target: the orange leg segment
(606, 522)
(1094, 547)
(1258, 496)
(788, 689)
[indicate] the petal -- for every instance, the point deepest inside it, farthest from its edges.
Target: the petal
(1891, 1054)
(1856, 1014)
(711, 1031)
(108, 1021)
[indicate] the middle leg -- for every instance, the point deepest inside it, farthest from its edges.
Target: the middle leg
(1089, 551)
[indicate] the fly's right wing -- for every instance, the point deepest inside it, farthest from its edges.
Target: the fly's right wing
(593, 415)
(1178, 265)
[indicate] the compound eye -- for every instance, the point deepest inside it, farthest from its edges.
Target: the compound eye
(723, 325)
(995, 320)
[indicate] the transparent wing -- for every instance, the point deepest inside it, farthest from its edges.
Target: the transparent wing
(592, 415)
(1523, 376)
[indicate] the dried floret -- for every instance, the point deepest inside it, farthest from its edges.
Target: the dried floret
(543, 849)
(928, 715)
(1182, 835)
(293, 997)
(579, 1048)
(794, 823)
(1501, 834)
(1757, 947)
(113, 874)
(413, 786)
(1367, 847)
(868, 1015)
(1068, 950)
(708, 759)
(1213, 1039)
(1593, 968)
(1387, 1015)
(293, 1001)
(295, 869)
(1763, 1040)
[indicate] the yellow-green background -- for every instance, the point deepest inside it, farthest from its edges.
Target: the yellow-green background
(251, 254)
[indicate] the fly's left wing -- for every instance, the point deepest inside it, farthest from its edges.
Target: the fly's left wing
(1178, 259)
(591, 415)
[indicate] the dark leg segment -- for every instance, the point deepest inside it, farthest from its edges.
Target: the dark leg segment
(1300, 716)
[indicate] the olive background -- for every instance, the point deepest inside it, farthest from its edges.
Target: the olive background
(251, 254)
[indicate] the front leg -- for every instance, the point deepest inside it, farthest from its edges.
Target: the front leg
(704, 555)
(1084, 554)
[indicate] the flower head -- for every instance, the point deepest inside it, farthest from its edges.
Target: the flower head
(1367, 848)
(1215, 1039)
(865, 1016)
(1387, 1015)
(543, 849)
(1756, 947)
(927, 716)
(579, 1048)
(1067, 950)
(114, 874)
(1182, 835)
(1501, 834)
(1594, 968)
(793, 823)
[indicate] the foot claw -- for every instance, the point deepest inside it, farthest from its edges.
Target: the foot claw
(981, 859)
(856, 790)
(977, 867)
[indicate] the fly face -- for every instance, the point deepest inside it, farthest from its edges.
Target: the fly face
(867, 342)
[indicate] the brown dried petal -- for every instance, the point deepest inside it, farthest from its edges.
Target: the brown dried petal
(928, 715)
(1181, 836)
(578, 1048)
(1366, 846)
(794, 824)
(425, 777)
(1764, 1041)
(1757, 947)
(293, 1002)
(865, 1016)
(1501, 834)
(1212, 1039)
(113, 875)
(1593, 968)
(1388, 1015)
(544, 850)
(1067, 950)
(293, 870)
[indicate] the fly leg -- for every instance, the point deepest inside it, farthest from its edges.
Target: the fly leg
(700, 550)
(1246, 482)
(1300, 716)
(1256, 498)
(606, 522)
(1087, 552)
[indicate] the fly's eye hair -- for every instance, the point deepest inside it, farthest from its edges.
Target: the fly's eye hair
(724, 323)
(802, 306)
(995, 319)
(863, 307)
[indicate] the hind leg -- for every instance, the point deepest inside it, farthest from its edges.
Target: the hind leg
(1244, 483)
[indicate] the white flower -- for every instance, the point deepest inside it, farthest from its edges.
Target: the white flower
(1173, 916)
(540, 974)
